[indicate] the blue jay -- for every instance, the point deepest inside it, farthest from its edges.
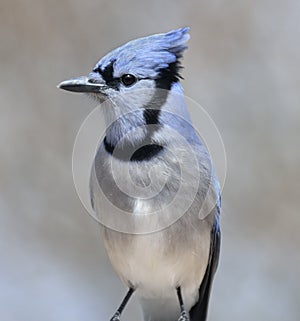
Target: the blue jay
(152, 180)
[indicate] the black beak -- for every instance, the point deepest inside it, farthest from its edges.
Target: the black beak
(82, 85)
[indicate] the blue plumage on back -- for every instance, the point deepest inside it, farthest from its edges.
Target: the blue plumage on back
(145, 57)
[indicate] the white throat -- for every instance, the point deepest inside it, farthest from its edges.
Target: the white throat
(125, 114)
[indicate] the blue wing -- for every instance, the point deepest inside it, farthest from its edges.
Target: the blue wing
(199, 311)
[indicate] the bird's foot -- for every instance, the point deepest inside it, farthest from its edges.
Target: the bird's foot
(116, 317)
(183, 316)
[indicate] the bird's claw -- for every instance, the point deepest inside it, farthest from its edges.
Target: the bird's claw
(183, 317)
(116, 317)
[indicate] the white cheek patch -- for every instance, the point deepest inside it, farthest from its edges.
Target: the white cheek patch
(138, 95)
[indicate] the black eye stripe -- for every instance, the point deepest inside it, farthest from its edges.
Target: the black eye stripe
(107, 75)
(108, 72)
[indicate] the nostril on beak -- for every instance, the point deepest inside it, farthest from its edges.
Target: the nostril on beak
(96, 81)
(92, 81)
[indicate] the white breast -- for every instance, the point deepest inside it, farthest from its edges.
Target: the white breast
(156, 263)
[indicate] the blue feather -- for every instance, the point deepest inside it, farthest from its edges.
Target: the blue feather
(145, 57)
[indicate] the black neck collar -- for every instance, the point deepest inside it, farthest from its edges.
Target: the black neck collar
(144, 151)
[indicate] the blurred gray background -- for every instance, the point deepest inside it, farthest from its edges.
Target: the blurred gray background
(242, 66)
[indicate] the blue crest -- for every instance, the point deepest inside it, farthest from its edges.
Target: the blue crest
(146, 57)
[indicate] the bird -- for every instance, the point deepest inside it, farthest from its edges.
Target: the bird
(152, 180)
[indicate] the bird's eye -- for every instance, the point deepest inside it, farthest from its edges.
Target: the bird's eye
(128, 80)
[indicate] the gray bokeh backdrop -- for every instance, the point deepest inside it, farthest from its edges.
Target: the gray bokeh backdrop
(242, 65)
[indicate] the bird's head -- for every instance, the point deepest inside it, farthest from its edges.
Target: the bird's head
(135, 70)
